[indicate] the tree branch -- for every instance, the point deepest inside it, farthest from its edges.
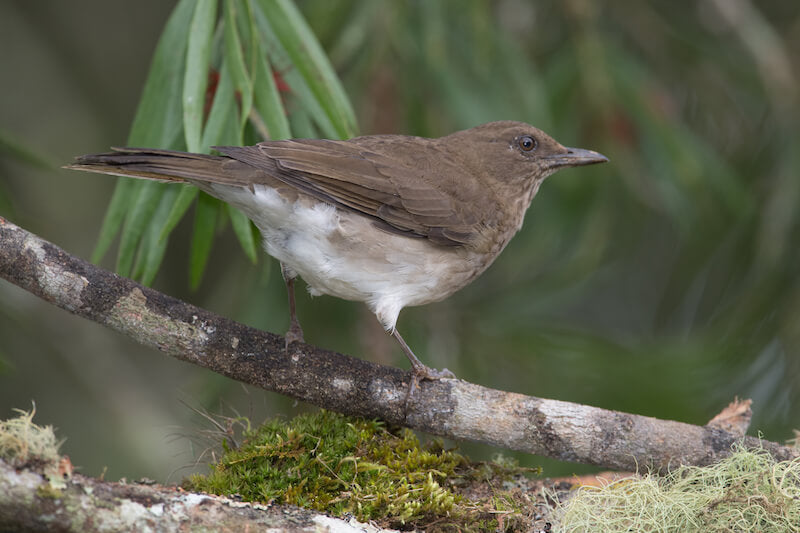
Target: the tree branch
(450, 408)
(29, 502)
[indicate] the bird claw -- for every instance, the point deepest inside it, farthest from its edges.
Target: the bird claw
(432, 374)
(294, 335)
(421, 372)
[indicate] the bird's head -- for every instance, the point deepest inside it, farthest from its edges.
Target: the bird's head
(515, 152)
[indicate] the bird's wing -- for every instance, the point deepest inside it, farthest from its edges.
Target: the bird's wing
(369, 177)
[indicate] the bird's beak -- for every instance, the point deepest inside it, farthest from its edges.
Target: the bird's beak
(575, 157)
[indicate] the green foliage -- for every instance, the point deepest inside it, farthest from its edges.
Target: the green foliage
(339, 465)
(212, 82)
(198, 61)
(747, 491)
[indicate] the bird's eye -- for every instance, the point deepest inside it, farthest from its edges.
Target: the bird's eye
(527, 143)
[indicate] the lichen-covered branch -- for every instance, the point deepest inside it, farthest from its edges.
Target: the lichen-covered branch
(31, 502)
(450, 408)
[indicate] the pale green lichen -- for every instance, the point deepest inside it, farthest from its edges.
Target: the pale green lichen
(747, 491)
(131, 316)
(47, 490)
(22, 442)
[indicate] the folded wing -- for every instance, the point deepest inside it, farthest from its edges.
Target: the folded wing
(367, 178)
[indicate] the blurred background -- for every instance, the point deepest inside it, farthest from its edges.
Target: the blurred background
(664, 283)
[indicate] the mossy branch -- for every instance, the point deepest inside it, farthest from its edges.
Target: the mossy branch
(449, 408)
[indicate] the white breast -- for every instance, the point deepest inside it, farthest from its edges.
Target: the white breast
(343, 254)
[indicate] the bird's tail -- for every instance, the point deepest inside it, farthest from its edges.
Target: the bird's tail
(153, 164)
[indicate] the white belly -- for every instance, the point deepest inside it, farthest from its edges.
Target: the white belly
(343, 254)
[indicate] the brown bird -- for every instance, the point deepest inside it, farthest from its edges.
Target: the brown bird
(388, 220)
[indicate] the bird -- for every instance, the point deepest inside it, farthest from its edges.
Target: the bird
(389, 220)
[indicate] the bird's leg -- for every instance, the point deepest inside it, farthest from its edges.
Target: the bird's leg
(419, 370)
(295, 332)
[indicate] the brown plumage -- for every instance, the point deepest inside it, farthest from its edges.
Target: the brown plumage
(390, 220)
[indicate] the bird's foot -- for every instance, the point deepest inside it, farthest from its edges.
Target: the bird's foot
(420, 372)
(294, 334)
(432, 374)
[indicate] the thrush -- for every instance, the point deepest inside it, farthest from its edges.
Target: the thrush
(388, 220)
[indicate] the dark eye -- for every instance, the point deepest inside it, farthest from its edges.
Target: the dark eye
(527, 143)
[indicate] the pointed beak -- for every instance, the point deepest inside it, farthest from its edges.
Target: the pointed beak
(575, 157)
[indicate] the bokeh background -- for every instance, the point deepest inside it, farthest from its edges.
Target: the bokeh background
(664, 283)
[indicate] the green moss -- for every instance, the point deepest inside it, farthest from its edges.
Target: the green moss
(339, 465)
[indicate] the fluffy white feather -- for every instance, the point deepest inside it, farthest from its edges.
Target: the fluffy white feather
(344, 255)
